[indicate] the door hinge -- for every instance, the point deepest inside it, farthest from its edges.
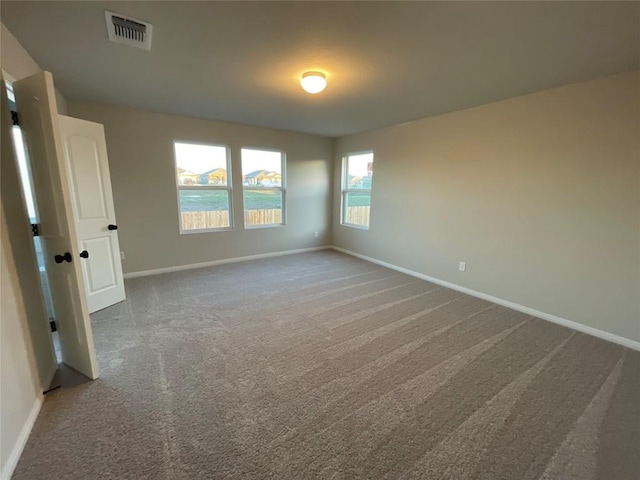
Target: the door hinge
(14, 117)
(35, 230)
(54, 327)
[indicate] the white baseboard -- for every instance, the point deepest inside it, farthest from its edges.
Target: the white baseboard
(178, 268)
(625, 342)
(21, 441)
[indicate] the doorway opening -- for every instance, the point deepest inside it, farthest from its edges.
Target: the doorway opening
(26, 184)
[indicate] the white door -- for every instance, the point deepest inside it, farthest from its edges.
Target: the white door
(37, 112)
(85, 154)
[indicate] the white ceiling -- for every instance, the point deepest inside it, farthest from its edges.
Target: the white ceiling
(386, 62)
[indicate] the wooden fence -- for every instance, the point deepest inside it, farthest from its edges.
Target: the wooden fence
(220, 218)
(263, 217)
(200, 220)
(358, 215)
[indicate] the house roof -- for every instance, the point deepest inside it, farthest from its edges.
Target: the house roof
(215, 170)
(386, 62)
(264, 173)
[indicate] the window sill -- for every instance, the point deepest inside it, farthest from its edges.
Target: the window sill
(357, 227)
(271, 225)
(206, 230)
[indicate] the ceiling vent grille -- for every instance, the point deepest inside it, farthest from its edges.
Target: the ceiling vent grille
(129, 31)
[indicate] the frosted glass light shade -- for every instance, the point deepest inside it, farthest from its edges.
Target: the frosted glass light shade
(313, 82)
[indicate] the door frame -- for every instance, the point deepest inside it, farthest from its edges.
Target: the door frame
(23, 249)
(38, 112)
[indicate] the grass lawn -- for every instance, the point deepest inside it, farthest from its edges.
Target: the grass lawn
(359, 199)
(208, 200)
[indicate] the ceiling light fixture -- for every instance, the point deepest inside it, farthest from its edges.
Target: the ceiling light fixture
(313, 82)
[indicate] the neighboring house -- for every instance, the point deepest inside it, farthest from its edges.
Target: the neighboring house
(217, 176)
(185, 177)
(265, 178)
(272, 179)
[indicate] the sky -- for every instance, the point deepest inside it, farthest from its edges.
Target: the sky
(202, 158)
(253, 160)
(358, 164)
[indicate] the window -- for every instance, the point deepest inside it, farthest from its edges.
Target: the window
(204, 187)
(263, 183)
(357, 176)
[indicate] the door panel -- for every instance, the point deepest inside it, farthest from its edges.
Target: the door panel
(85, 154)
(100, 270)
(37, 110)
(84, 166)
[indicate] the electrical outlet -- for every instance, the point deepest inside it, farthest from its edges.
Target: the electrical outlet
(121, 255)
(316, 234)
(462, 266)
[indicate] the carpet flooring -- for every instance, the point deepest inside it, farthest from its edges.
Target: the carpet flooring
(320, 365)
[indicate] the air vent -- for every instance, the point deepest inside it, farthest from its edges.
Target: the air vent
(129, 31)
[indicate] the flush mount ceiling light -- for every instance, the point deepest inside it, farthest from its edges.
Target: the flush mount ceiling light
(313, 82)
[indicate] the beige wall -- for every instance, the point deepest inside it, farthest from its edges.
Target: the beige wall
(539, 194)
(19, 64)
(140, 149)
(19, 385)
(15, 59)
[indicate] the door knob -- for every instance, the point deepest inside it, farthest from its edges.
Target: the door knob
(63, 258)
(112, 227)
(84, 254)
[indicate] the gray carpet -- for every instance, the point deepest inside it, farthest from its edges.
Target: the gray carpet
(321, 365)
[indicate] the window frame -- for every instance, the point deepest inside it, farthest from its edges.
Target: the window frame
(345, 190)
(228, 188)
(282, 188)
